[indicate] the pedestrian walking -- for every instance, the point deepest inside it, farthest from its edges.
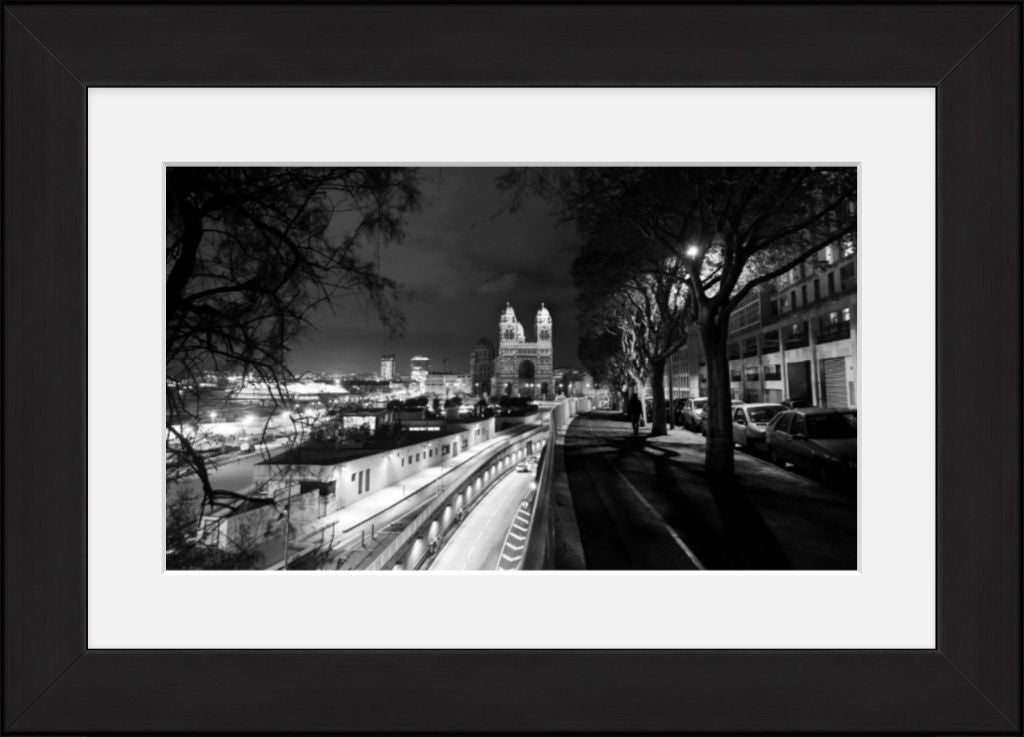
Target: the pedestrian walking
(634, 410)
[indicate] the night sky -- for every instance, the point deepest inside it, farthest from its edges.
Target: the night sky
(457, 266)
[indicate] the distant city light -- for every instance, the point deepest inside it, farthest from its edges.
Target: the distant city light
(692, 252)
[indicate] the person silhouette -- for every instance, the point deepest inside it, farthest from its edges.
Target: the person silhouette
(634, 410)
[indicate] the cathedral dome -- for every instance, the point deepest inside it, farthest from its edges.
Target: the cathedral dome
(542, 313)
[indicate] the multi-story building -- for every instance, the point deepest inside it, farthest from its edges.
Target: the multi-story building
(387, 367)
(793, 338)
(419, 370)
(481, 367)
(445, 384)
(524, 369)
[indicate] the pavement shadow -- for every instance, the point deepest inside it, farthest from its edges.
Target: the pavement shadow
(730, 534)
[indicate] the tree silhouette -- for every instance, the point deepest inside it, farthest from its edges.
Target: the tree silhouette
(252, 253)
(728, 230)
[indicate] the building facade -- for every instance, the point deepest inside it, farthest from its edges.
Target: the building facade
(523, 369)
(481, 367)
(793, 338)
(445, 385)
(419, 369)
(387, 367)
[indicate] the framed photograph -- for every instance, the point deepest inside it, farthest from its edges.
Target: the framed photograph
(526, 368)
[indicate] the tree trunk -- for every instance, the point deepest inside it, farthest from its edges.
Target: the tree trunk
(658, 398)
(718, 460)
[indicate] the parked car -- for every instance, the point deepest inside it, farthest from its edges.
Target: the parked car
(749, 422)
(818, 440)
(523, 468)
(690, 414)
(704, 415)
(796, 403)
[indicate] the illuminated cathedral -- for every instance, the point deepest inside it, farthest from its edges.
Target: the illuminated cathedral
(523, 369)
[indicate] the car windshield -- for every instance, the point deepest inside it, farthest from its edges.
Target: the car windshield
(699, 403)
(763, 414)
(832, 426)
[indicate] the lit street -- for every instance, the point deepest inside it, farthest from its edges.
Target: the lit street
(477, 541)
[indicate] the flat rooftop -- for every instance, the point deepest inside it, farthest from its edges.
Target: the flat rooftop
(329, 455)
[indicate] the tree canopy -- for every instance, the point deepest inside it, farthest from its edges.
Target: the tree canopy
(719, 232)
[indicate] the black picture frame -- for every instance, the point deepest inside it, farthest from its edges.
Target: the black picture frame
(970, 52)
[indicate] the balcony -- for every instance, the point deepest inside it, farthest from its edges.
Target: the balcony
(797, 340)
(834, 331)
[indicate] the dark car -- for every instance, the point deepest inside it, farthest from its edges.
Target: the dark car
(819, 440)
(796, 403)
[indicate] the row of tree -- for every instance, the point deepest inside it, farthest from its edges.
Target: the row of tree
(664, 248)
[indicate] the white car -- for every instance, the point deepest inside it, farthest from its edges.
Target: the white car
(749, 422)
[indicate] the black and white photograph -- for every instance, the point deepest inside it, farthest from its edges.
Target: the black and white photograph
(511, 368)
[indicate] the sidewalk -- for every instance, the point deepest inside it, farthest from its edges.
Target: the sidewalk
(770, 519)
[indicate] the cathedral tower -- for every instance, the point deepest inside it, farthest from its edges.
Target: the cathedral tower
(523, 369)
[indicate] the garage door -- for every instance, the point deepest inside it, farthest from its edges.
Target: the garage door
(833, 372)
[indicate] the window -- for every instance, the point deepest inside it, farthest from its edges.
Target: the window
(817, 290)
(803, 293)
(792, 299)
(353, 477)
(848, 276)
(831, 282)
(849, 245)
(846, 314)
(833, 318)
(798, 426)
(830, 255)
(403, 461)
(740, 417)
(417, 457)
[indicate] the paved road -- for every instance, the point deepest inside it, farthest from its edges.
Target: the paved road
(476, 543)
(643, 503)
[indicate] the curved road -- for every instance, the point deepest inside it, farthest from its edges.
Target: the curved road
(476, 543)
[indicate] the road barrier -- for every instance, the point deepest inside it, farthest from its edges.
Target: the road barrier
(540, 536)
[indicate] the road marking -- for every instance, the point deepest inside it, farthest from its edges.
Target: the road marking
(650, 507)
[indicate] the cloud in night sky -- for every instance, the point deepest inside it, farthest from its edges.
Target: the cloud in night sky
(504, 284)
(461, 260)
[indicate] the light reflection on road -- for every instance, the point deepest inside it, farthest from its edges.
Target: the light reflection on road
(476, 543)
